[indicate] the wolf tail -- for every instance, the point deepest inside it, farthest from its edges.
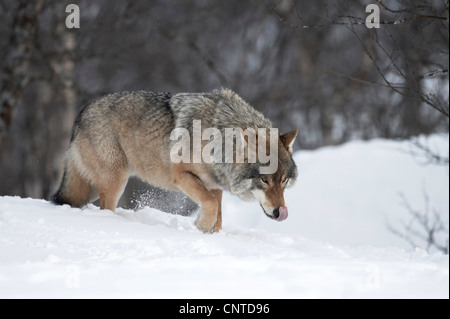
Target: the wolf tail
(74, 189)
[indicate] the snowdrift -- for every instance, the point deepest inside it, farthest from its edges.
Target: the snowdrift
(335, 243)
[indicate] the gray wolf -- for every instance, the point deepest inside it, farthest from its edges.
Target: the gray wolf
(128, 133)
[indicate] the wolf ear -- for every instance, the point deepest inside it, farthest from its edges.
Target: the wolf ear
(288, 140)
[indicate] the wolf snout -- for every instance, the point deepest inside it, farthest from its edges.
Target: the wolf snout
(280, 214)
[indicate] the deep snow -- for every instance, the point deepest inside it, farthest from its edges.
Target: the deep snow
(335, 243)
(350, 194)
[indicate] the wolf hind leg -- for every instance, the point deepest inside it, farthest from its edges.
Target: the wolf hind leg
(74, 189)
(111, 189)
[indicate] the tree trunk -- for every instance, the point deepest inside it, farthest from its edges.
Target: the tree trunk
(15, 68)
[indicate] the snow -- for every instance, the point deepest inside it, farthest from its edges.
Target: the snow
(335, 243)
(351, 193)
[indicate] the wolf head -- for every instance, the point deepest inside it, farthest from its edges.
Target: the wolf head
(268, 189)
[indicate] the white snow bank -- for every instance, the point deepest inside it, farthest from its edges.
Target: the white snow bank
(333, 245)
(349, 194)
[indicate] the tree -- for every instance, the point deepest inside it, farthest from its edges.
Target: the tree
(307, 65)
(404, 63)
(38, 100)
(16, 63)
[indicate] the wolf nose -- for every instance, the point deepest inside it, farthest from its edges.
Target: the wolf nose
(276, 212)
(280, 213)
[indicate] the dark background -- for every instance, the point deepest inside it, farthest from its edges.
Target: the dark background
(311, 65)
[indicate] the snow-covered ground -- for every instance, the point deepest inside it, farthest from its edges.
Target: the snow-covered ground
(335, 243)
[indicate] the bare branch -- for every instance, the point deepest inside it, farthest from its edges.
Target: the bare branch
(424, 226)
(427, 155)
(352, 20)
(433, 74)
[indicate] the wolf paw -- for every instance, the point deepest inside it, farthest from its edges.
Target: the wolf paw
(207, 225)
(217, 227)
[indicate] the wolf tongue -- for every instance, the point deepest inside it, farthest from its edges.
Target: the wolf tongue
(283, 214)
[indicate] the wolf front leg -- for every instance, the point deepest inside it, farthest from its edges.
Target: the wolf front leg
(218, 194)
(192, 186)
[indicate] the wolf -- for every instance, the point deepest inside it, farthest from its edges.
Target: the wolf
(128, 134)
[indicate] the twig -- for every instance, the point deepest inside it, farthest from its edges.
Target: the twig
(423, 226)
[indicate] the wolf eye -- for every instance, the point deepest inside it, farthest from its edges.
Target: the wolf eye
(264, 180)
(285, 180)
